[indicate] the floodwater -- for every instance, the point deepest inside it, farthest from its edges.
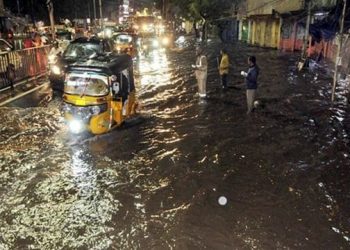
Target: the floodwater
(155, 182)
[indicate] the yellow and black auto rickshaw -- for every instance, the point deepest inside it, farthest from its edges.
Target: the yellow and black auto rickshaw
(125, 43)
(99, 94)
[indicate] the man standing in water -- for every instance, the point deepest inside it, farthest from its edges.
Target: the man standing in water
(223, 68)
(201, 72)
(251, 80)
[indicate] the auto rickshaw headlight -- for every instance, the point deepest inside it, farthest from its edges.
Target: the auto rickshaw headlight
(76, 126)
(98, 109)
(56, 70)
(95, 110)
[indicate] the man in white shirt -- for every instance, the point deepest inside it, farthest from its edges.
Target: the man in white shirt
(201, 72)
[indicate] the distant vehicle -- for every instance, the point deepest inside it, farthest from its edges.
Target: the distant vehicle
(145, 24)
(125, 43)
(80, 49)
(5, 60)
(99, 94)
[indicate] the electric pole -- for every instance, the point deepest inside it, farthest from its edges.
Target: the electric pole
(340, 46)
(94, 3)
(101, 16)
(18, 7)
(49, 5)
(302, 61)
(306, 36)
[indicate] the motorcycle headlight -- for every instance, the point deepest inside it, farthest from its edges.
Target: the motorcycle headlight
(56, 70)
(155, 43)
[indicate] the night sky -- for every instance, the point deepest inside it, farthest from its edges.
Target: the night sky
(66, 8)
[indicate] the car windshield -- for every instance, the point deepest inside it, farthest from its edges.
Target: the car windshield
(123, 39)
(78, 50)
(85, 84)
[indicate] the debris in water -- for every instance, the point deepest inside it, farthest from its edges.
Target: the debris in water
(222, 200)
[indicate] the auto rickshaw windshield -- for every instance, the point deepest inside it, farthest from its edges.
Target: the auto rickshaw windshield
(84, 84)
(79, 50)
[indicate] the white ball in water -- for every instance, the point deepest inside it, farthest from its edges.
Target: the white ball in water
(256, 104)
(222, 200)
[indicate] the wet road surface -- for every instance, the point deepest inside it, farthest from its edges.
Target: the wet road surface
(155, 182)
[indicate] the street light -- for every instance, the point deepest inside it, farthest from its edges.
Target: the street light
(49, 5)
(94, 3)
(101, 17)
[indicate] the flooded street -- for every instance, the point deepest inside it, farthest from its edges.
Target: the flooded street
(155, 182)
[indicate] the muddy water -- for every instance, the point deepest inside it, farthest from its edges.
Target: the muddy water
(155, 183)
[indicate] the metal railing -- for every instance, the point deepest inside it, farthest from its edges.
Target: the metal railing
(19, 65)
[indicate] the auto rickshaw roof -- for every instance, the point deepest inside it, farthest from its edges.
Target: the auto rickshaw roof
(107, 64)
(94, 40)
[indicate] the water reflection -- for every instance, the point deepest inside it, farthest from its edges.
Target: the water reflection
(83, 173)
(154, 69)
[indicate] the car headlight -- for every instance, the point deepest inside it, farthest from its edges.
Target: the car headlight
(155, 43)
(76, 126)
(56, 70)
(165, 41)
(108, 33)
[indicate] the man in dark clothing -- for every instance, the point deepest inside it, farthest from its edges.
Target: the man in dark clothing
(251, 80)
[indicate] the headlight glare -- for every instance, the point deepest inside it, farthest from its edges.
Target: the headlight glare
(155, 43)
(76, 126)
(56, 70)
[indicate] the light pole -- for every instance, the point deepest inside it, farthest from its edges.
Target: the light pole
(94, 3)
(18, 8)
(101, 17)
(340, 46)
(49, 5)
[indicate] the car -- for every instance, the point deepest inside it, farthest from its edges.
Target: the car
(125, 43)
(80, 49)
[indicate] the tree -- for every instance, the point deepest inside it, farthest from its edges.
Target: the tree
(205, 11)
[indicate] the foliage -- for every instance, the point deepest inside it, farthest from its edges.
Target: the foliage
(207, 10)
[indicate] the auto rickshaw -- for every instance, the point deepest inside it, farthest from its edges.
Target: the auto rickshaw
(125, 44)
(99, 94)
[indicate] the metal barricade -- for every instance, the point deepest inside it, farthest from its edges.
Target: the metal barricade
(22, 64)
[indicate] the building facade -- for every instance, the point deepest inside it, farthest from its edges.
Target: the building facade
(281, 24)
